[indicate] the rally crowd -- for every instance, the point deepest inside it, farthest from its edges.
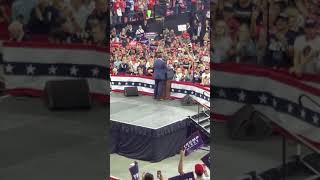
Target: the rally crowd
(54, 21)
(133, 51)
(200, 172)
(133, 10)
(279, 34)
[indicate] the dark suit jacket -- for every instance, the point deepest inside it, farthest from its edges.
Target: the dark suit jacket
(202, 32)
(160, 68)
(170, 74)
(190, 31)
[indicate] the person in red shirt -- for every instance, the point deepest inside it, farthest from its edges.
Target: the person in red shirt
(185, 35)
(151, 4)
(117, 5)
(233, 23)
(5, 14)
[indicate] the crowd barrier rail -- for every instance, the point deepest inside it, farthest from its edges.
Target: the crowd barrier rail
(145, 85)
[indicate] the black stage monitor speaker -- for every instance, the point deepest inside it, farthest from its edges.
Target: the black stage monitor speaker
(67, 94)
(249, 124)
(271, 174)
(187, 100)
(131, 91)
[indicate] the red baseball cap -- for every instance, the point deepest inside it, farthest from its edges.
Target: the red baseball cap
(198, 168)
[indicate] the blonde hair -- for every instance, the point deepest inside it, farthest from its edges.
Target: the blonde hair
(15, 26)
(292, 11)
(225, 27)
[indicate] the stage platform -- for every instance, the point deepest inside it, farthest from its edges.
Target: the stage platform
(40, 144)
(145, 129)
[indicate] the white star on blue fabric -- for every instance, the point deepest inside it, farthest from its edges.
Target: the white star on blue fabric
(290, 108)
(303, 113)
(274, 102)
(263, 99)
(52, 69)
(222, 93)
(9, 68)
(74, 70)
(95, 72)
(315, 119)
(30, 69)
(242, 96)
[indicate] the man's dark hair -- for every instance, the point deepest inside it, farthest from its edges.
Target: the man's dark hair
(159, 54)
(148, 176)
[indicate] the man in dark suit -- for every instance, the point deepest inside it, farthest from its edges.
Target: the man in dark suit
(159, 76)
(199, 32)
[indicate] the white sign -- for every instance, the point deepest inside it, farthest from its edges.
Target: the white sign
(182, 27)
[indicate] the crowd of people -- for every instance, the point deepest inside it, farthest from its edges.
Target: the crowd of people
(279, 34)
(133, 51)
(200, 171)
(55, 21)
(133, 10)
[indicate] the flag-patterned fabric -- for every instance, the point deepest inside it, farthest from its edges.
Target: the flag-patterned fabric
(29, 66)
(145, 85)
(293, 103)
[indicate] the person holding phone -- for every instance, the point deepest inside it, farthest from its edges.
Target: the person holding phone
(149, 176)
(159, 175)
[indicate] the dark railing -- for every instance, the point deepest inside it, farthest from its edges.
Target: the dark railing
(309, 98)
(202, 106)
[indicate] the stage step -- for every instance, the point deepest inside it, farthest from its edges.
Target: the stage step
(202, 120)
(205, 122)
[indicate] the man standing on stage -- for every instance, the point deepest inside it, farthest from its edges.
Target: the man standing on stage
(159, 76)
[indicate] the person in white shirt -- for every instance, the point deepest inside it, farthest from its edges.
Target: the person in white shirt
(80, 13)
(139, 32)
(135, 66)
(205, 79)
(306, 51)
(179, 75)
